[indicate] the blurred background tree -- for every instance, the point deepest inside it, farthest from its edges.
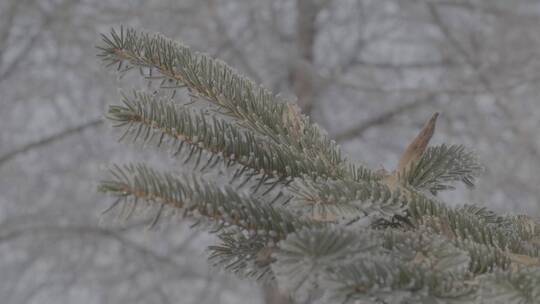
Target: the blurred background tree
(368, 72)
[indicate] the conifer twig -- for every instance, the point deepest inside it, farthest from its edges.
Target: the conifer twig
(388, 240)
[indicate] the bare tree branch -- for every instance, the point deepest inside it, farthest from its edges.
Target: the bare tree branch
(358, 130)
(96, 231)
(50, 140)
(490, 10)
(5, 30)
(445, 63)
(306, 15)
(12, 66)
(484, 80)
(232, 43)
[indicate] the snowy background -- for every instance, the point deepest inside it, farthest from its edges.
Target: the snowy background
(369, 72)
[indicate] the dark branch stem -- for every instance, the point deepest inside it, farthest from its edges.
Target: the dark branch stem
(361, 128)
(49, 140)
(77, 230)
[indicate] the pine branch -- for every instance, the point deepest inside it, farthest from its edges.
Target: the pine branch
(521, 286)
(391, 266)
(441, 165)
(412, 154)
(306, 257)
(198, 199)
(244, 255)
(253, 106)
(384, 279)
(345, 199)
(408, 248)
(460, 223)
(147, 118)
(411, 261)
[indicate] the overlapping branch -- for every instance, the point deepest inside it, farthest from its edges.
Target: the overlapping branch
(196, 198)
(412, 248)
(251, 105)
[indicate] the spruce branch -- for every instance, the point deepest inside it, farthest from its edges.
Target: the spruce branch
(502, 287)
(306, 257)
(441, 165)
(415, 266)
(384, 279)
(225, 207)
(412, 154)
(461, 224)
(484, 258)
(147, 118)
(213, 80)
(374, 261)
(409, 246)
(433, 168)
(345, 199)
(244, 255)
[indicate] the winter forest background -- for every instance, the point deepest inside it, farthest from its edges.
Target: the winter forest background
(369, 72)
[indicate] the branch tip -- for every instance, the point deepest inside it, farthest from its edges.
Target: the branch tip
(419, 144)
